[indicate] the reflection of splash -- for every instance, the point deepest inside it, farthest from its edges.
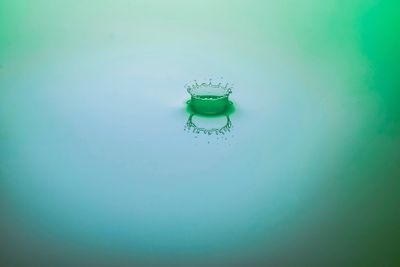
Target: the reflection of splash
(195, 128)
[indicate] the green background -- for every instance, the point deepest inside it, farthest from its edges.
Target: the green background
(97, 170)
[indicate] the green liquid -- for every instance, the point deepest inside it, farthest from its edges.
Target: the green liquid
(209, 104)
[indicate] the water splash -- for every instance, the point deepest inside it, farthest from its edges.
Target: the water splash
(209, 98)
(209, 89)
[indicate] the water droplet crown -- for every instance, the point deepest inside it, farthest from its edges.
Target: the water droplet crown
(209, 90)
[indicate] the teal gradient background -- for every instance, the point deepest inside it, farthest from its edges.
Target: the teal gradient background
(97, 170)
